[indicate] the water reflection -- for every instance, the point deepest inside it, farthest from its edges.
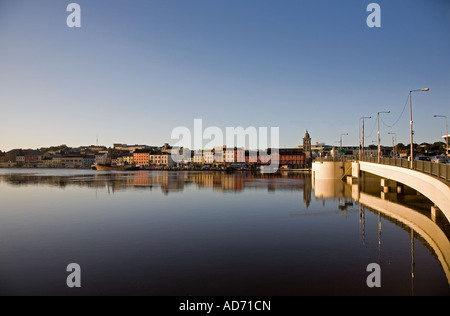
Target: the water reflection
(167, 181)
(273, 235)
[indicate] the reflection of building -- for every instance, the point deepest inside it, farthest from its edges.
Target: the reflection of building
(307, 188)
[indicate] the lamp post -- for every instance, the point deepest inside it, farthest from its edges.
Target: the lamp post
(361, 152)
(379, 141)
(446, 129)
(394, 143)
(411, 124)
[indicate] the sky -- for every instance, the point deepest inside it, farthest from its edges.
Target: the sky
(136, 70)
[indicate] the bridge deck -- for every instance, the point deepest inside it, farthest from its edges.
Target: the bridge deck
(431, 187)
(438, 170)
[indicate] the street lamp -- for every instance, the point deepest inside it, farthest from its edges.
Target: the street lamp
(446, 129)
(411, 123)
(379, 141)
(394, 143)
(361, 153)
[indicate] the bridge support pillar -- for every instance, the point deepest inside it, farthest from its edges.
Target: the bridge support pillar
(389, 185)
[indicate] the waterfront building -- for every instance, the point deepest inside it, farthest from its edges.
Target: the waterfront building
(125, 159)
(198, 157)
(33, 157)
(160, 159)
(141, 157)
(20, 158)
(47, 161)
(57, 160)
(88, 161)
(72, 161)
(102, 158)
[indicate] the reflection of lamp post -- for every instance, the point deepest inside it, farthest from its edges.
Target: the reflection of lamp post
(411, 124)
(379, 142)
(394, 143)
(446, 129)
(361, 153)
(379, 237)
(412, 262)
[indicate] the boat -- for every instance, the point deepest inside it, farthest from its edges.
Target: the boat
(101, 167)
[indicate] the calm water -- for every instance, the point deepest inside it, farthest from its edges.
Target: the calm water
(186, 233)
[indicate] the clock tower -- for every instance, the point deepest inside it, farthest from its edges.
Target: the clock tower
(307, 149)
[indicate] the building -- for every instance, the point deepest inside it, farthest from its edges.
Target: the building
(33, 157)
(88, 161)
(141, 157)
(234, 155)
(208, 157)
(125, 159)
(160, 159)
(11, 155)
(198, 157)
(307, 149)
(293, 157)
(20, 158)
(72, 161)
(47, 161)
(57, 160)
(251, 157)
(131, 148)
(92, 148)
(102, 158)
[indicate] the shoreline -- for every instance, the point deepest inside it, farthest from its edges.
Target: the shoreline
(256, 170)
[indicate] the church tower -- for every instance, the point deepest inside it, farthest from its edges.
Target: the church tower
(307, 149)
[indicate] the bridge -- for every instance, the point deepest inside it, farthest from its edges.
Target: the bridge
(430, 179)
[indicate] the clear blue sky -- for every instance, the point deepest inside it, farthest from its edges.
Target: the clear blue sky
(137, 69)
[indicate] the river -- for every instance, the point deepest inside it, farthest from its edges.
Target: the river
(206, 233)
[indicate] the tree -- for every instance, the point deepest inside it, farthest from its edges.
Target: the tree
(438, 148)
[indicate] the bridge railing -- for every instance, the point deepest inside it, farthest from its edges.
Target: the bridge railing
(438, 170)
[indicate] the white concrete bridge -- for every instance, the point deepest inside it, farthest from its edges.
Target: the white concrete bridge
(431, 180)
